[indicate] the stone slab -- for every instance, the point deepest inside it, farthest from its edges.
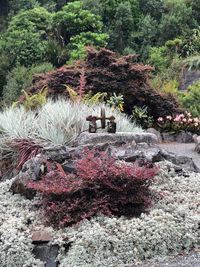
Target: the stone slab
(41, 236)
(126, 137)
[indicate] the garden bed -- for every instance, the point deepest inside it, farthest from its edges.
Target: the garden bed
(170, 226)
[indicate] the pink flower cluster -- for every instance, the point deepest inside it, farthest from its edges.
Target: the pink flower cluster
(179, 122)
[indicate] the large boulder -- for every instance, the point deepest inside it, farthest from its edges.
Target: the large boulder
(104, 71)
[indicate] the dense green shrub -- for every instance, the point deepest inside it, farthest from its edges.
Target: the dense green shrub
(20, 78)
(25, 47)
(73, 20)
(191, 99)
(38, 18)
(24, 41)
(56, 53)
(158, 58)
(17, 80)
(79, 42)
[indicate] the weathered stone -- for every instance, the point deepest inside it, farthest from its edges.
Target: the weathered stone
(127, 137)
(195, 138)
(153, 154)
(142, 146)
(197, 148)
(69, 167)
(184, 137)
(157, 133)
(198, 140)
(168, 137)
(30, 171)
(41, 236)
(59, 154)
(188, 78)
(183, 161)
(47, 253)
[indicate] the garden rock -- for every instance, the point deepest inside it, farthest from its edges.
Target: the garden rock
(47, 253)
(184, 137)
(185, 162)
(124, 146)
(197, 141)
(41, 236)
(168, 137)
(197, 148)
(189, 77)
(127, 137)
(157, 133)
(195, 138)
(58, 154)
(31, 170)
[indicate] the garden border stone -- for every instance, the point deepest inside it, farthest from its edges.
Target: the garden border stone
(127, 137)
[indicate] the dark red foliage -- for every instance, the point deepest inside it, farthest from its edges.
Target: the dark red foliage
(104, 71)
(26, 148)
(101, 185)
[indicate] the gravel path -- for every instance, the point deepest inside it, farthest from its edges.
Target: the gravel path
(183, 150)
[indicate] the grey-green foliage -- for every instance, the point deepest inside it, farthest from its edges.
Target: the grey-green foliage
(20, 78)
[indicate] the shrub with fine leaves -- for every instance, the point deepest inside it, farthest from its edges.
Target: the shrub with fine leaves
(100, 185)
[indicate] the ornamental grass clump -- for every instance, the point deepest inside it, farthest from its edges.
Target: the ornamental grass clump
(57, 123)
(100, 185)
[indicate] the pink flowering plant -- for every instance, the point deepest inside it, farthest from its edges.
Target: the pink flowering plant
(178, 122)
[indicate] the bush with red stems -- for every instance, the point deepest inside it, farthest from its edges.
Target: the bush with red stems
(101, 184)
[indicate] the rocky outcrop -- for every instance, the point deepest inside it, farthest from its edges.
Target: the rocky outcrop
(104, 71)
(127, 147)
(188, 78)
(168, 137)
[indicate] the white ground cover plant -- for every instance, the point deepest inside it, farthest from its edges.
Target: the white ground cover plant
(171, 225)
(15, 236)
(56, 123)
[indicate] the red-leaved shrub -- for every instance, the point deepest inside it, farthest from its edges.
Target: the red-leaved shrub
(101, 184)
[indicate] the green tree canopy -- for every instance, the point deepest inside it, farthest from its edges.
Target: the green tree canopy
(72, 20)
